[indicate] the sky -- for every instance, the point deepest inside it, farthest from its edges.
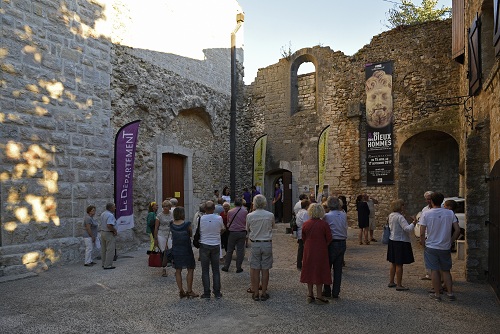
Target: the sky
(343, 25)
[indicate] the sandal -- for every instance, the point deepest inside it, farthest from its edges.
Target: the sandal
(255, 297)
(310, 299)
(402, 288)
(391, 285)
(322, 301)
(182, 294)
(191, 294)
(164, 273)
(264, 297)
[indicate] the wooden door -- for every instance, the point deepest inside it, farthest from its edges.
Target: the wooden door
(173, 177)
(287, 196)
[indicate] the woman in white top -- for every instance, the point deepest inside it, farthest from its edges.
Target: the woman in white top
(162, 236)
(399, 249)
(226, 195)
(301, 217)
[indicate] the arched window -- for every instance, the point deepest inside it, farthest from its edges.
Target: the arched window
(303, 84)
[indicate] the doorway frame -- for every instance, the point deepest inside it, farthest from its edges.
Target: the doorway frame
(188, 175)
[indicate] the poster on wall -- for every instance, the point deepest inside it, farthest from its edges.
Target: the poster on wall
(125, 143)
(379, 124)
(259, 162)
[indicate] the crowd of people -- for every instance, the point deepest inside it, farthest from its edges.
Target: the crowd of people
(321, 232)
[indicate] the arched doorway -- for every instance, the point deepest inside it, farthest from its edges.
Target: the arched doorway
(282, 177)
(427, 161)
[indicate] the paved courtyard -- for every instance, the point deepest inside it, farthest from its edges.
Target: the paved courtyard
(134, 298)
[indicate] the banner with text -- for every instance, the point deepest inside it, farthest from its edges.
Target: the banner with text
(125, 143)
(322, 161)
(259, 162)
(379, 128)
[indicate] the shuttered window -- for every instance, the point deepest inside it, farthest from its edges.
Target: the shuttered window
(474, 57)
(458, 31)
(496, 27)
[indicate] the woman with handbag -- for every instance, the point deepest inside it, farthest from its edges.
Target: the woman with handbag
(399, 249)
(150, 223)
(182, 252)
(162, 230)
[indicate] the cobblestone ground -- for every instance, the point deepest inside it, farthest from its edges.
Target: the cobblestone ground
(134, 298)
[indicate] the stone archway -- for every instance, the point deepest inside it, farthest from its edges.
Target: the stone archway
(427, 161)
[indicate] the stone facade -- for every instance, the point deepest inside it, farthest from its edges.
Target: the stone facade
(73, 73)
(67, 87)
(482, 143)
(334, 94)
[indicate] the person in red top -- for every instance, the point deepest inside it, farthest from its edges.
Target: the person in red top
(316, 236)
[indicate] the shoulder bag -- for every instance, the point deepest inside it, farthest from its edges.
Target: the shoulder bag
(387, 233)
(167, 258)
(196, 238)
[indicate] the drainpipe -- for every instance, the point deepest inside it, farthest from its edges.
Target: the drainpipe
(240, 17)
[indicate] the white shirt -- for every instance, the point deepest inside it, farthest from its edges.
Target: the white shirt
(260, 225)
(297, 207)
(301, 217)
(438, 224)
(399, 227)
(211, 226)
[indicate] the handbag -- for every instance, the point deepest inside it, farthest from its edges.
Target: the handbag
(167, 257)
(196, 238)
(386, 234)
(154, 259)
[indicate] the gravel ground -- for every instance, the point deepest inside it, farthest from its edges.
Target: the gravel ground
(134, 298)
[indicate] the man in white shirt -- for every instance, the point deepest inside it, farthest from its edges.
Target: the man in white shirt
(211, 227)
(438, 222)
(108, 231)
(427, 196)
(260, 224)
(298, 205)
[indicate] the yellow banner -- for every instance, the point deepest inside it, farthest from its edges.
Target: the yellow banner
(322, 160)
(259, 162)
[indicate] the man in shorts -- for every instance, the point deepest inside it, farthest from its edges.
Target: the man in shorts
(438, 222)
(260, 224)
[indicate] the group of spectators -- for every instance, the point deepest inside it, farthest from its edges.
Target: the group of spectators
(321, 236)
(438, 230)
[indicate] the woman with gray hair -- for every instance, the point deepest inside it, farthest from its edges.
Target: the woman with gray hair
(399, 249)
(316, 236)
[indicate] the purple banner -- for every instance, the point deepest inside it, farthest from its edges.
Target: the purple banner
(125, 142)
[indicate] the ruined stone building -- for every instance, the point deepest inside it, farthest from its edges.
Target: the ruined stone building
(73, 73)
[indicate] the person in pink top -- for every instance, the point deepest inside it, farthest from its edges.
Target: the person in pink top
(236, 225)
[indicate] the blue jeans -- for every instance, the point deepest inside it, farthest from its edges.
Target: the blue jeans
(336, 251)
(209, 256)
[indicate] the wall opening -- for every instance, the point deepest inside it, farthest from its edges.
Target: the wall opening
(303, 84)
(428, 161)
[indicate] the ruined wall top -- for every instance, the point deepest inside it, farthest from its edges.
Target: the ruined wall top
(194, 43)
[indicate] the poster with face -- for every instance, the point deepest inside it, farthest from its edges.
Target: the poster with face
(379, 124)
(379, 99)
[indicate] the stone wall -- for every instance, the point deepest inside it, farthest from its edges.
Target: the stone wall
(55, 142)
(175, 111)
(422, 70)
(482, 142)
(66, 89)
